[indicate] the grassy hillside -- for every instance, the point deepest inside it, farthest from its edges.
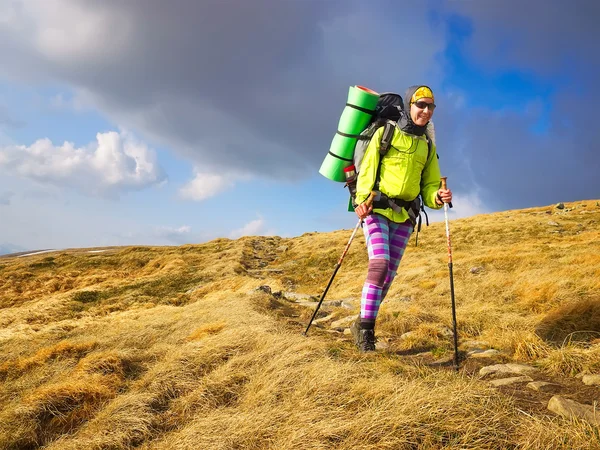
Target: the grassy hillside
(175, 347)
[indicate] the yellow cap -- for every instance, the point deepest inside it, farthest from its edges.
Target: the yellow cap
(422, 92)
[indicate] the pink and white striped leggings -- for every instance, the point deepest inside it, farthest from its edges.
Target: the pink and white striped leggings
(386, 241)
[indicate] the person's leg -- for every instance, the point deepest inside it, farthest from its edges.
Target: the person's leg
(399, 235)
(376, 229)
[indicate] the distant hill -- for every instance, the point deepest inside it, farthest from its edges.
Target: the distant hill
(201, 346)
(6, 249)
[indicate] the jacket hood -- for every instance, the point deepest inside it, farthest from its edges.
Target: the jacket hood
(406, 123)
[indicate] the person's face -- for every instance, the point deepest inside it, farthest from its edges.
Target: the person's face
(421, 111)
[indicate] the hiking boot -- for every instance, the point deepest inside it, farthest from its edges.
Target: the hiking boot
(363, 338)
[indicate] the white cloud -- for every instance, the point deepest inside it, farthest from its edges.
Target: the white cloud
(256, 227)
(467, 205)
(115, 162)
(62, 30)
(205, 185)
(462, 206)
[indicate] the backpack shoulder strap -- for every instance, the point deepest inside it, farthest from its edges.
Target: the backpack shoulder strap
(429, 146)
(386, 137)
(384, 146)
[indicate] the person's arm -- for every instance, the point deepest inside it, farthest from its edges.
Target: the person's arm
(430, 180)
(368, 168)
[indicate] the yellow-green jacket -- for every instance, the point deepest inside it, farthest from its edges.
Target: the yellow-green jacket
(405, 172)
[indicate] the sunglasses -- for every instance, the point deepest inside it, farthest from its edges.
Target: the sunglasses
(423, 105)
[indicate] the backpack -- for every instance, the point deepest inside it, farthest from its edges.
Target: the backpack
(387, 113)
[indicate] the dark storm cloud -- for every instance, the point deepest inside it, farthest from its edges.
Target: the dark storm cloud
(259, 86)
(253, 86)
(513, 167)
(499, 151)
(544, 37)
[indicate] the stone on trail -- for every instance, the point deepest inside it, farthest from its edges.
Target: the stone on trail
(483, 353)
(382, 344)
(509, 381)
(445, 331)
(542, 386)
(591, 380)
(573, 410)
(510, 368)
(264, 288)
(521, 369)
(560, 206)
(344, 322)
(297, 297)
(342, 303)
(323, 319)
(406, 335)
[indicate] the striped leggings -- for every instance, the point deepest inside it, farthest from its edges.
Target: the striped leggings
(386, 241)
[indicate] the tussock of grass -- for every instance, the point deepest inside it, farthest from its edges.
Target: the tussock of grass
(572, 360)
(65, 349)
(174, 348)
(577, 321)
(205, 330)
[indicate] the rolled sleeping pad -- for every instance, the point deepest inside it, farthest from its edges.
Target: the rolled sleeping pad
(355, 117)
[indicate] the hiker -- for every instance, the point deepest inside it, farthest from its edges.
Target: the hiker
(408, 169)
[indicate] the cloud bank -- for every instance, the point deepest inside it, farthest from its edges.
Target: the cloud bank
(116, 162)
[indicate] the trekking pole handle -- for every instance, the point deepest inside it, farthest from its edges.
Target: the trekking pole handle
(371, 197)
(445, 186)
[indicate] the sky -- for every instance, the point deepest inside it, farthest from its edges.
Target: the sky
(165, 123)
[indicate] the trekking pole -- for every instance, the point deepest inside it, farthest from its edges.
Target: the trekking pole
(451, 279)
(339, 263)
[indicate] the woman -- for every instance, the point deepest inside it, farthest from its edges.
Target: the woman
(407, 169)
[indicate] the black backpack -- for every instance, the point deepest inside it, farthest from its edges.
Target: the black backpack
(387, 113)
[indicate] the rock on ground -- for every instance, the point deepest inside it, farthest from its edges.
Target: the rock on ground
(483, 353)
(518, 369)
(591, 380)
(573, 410)
(323, 319)
(345, 322)
(542, 386)
(509, 381)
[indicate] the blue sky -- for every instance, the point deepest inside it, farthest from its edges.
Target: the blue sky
(137, 123)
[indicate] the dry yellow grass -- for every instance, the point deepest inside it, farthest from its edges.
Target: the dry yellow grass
(164, 347)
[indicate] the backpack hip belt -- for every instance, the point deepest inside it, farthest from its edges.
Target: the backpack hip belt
(412, 207)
